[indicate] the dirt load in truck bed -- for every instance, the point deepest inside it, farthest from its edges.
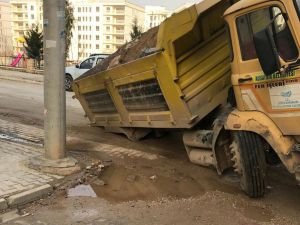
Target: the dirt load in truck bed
(128, 52)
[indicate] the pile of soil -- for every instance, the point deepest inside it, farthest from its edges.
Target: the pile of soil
(128, 52)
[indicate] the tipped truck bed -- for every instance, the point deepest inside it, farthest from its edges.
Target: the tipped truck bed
(175, 87)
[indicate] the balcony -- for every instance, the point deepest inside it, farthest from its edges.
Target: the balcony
(19, 10)
(115, 12)
(115, 22)
(20, 18)
(119, 21)
(120, 41)
(20, 28)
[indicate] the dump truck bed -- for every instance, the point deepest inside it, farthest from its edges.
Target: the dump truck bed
(175, 87)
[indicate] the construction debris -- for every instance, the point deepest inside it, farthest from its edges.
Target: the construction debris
(138, 48)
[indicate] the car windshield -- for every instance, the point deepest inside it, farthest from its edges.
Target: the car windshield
(297, 5)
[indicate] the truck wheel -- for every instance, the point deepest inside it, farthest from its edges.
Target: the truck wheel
(249, 162)
(68, 82)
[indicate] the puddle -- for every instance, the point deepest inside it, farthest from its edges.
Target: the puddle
(16, 139)
(82, 191)
(123, 184)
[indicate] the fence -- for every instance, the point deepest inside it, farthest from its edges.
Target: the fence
(8, 60)
(26, 63)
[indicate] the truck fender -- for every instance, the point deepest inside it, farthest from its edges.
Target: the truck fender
(221, 145)
(261, 124)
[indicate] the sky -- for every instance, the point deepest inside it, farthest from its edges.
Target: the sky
(169, 4)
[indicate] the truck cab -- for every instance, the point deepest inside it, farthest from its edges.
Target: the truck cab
(265, 74)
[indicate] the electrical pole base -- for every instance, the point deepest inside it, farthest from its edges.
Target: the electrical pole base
(62, 167)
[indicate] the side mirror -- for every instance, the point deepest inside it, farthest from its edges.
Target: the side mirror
(267, 52)
(77, 66)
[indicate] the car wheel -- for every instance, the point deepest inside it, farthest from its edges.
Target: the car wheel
(68, 82)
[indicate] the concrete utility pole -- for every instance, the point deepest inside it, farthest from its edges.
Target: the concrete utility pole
(55, 160)
(54, 89)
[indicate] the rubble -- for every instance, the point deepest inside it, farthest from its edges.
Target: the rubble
(138, 48)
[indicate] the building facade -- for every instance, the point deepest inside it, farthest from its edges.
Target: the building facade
(155, 15)
(6, 36)
(25, 15)
(102, 26)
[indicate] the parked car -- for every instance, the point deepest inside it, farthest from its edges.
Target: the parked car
(73, 72)
(99, 54)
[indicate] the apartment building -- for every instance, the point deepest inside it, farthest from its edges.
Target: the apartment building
(101, 26)
(25, 14)
(6, 46)
(154, 15)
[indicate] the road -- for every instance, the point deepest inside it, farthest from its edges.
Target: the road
(179, 193)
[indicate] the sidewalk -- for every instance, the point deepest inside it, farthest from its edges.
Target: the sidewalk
(21, 76)
(36, 71)
(19, 184)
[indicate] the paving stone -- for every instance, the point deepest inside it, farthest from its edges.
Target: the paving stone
(29, 196)
(3, 204)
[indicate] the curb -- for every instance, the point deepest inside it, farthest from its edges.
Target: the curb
(40, 72)
(3, 204)
(29, 196)
(21, 80)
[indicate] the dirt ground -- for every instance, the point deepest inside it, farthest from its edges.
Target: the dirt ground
(165, 189)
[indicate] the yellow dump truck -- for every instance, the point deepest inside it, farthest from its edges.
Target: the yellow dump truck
(224, 72)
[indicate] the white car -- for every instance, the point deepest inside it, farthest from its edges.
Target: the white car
(73, 72)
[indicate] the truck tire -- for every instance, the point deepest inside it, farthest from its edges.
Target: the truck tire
(249, 162)
(68, 82)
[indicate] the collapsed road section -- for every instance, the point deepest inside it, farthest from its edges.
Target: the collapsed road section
(190, 74)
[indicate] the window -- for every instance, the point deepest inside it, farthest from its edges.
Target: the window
(87, 64)
(108, 9)
(254, 22)
(79, 27)
(230, 42)
(79, 19)
(31, 7)
(107, 37)
(79, 9)
(107, 46)
(32, 16)
(97, 28)
(107, 18)
(97, 47)
(97, 37)
(107, 28)
(297, 5)
(99, 59)
(79, 37)
(97, 9)
(97, 18)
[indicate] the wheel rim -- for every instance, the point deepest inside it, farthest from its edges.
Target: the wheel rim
(68, 83)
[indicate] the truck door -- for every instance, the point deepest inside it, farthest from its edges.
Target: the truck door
(277, 95)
